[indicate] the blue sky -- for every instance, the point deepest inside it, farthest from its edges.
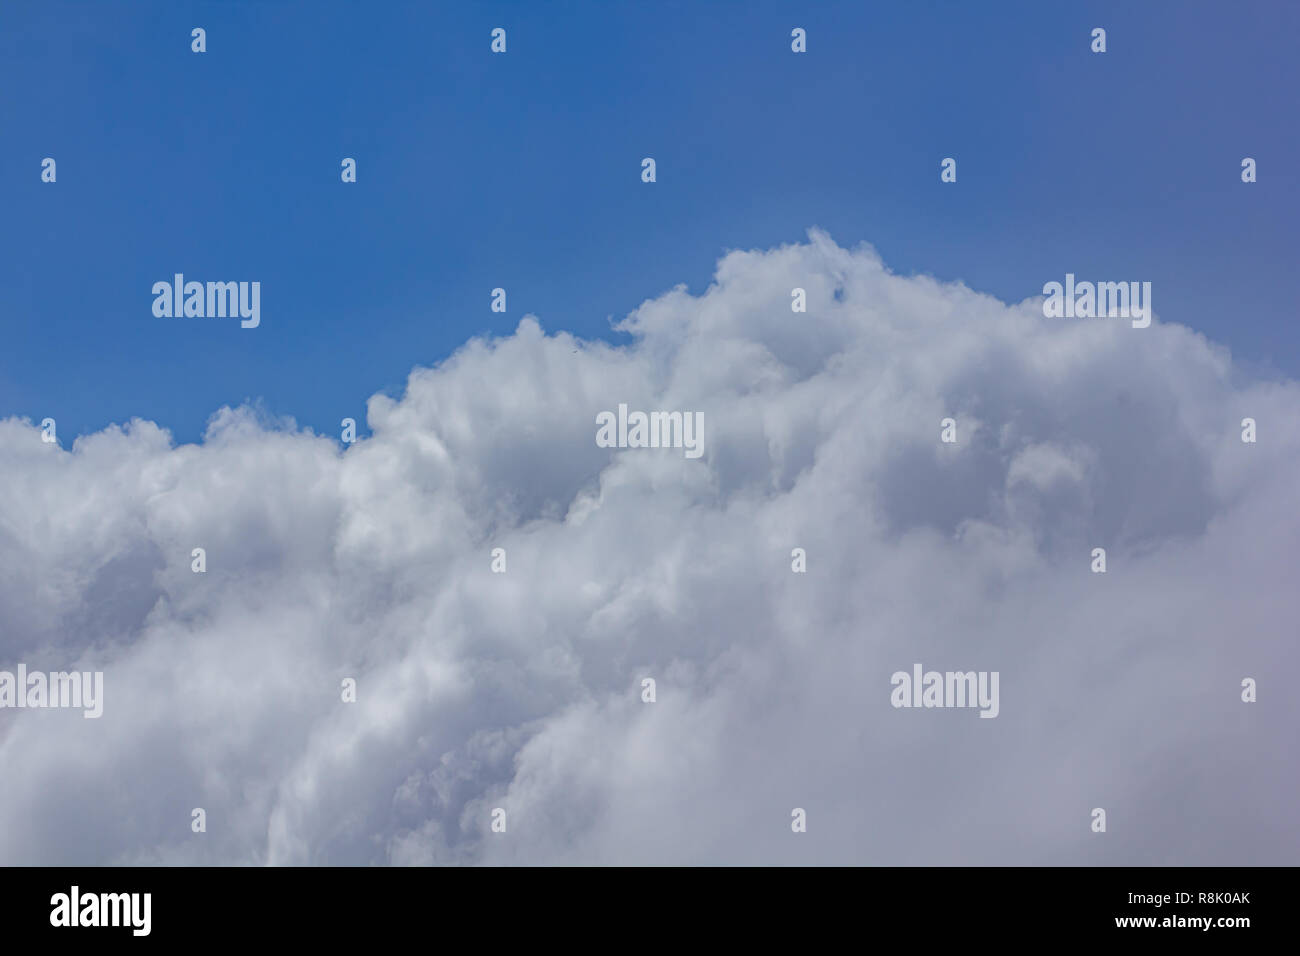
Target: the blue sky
(523, 171)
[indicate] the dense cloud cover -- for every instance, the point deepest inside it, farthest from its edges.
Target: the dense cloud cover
(522, 690)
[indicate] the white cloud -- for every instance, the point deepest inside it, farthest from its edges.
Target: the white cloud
(522, 690)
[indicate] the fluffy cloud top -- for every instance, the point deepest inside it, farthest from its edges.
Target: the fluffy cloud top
(522, 690)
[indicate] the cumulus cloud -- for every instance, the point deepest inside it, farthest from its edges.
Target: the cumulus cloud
(522, 690)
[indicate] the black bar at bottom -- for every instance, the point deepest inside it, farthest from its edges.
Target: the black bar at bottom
(638, 906)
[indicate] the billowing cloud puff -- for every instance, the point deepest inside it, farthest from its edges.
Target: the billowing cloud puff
(522, 690)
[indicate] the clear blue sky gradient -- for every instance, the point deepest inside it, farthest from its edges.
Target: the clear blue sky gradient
(479, 170)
